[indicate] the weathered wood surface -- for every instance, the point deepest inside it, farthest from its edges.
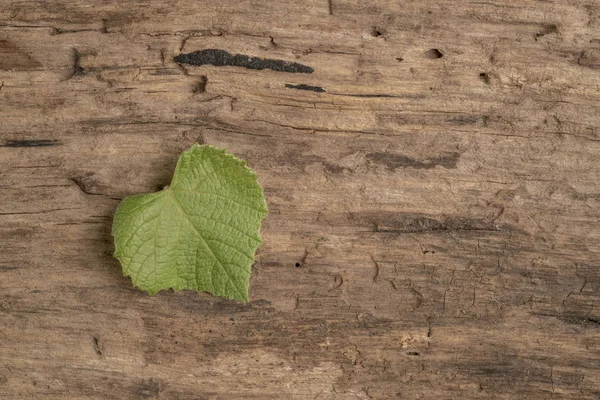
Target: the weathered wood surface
(434, 213)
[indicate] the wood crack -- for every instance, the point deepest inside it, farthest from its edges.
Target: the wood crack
(82, 185)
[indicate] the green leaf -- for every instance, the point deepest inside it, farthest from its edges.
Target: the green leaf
(199, 233)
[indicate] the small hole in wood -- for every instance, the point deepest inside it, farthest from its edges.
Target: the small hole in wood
(485, 78)
(377, 32)
(433, 54)
(200, 85)
(297, 265)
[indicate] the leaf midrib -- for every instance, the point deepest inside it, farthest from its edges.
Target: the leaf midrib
(180, 206)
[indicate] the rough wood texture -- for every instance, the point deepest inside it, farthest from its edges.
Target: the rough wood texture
(433, 185)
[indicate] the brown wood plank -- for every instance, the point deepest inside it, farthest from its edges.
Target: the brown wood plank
(434, 199)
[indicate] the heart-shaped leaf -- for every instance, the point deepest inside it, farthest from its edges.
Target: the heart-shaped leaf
(199, 233)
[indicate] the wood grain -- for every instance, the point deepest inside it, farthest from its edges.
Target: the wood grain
(434, 205)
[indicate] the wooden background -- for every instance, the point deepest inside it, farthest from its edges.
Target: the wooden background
(433, 229)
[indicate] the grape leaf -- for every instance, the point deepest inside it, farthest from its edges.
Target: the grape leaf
(199, 233)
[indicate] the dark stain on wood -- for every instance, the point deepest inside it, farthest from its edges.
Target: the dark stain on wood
(333, 168)
(14, 58)
(586, 322)
(370, 95)
(297, 158)
(414, 223)
(31, 143)
(465, 119)
(164, 72)
(223, 58)
(303, 86)
(146, 389)
(396, 161)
